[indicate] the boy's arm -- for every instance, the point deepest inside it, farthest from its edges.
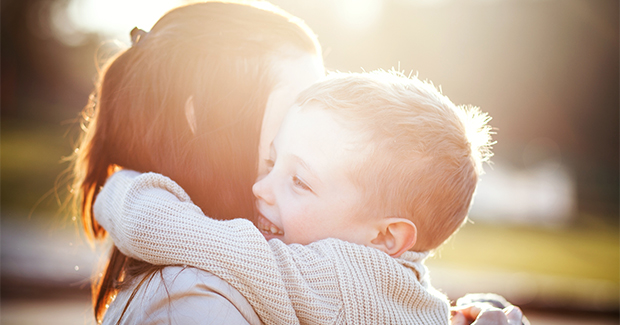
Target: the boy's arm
(150, 217)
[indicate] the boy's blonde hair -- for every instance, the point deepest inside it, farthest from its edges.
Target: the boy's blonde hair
(424, 153)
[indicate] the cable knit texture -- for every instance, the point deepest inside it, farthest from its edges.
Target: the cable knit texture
(331, 281)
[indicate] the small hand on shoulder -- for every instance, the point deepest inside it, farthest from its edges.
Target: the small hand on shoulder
(486, 309)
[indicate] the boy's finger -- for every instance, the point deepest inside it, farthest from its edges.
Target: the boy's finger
(515, 316)
(459, 319)
(471, 312)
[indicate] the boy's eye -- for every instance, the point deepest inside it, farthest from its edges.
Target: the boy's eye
(299, 183)
(269, 163)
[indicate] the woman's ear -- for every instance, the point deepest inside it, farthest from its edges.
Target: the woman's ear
(395, 236)
(190, 115)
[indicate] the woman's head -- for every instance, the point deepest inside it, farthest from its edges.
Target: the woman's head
(210, 65)
(187, 100)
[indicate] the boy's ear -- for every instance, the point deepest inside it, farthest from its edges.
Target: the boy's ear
(190, 114)
(395, 236)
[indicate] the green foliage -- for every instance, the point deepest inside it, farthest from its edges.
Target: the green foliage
(582, 252)
(32, 163)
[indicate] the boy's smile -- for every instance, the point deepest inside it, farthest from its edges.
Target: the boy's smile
(308, 194)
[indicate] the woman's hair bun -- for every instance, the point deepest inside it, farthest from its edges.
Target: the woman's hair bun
(136, 35)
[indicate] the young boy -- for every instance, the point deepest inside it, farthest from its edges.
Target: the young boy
(368, 173)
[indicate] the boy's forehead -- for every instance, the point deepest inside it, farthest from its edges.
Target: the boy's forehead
(312, 125)
(301, 114)
(297, 117)
(321, 121)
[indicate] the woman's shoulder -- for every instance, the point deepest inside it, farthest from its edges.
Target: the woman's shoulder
(181, 279)
(181, 295)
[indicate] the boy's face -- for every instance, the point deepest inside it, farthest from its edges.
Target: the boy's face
(308, 194)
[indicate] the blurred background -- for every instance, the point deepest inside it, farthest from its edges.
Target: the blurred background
(544, 229)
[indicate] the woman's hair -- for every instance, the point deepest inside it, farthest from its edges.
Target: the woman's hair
(216, 57)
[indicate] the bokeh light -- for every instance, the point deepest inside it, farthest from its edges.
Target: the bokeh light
(112, 19)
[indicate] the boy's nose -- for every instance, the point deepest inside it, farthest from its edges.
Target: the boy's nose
(262, 190)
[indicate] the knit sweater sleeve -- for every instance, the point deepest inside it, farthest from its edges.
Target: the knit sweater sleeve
(150, 217)
(331, 281)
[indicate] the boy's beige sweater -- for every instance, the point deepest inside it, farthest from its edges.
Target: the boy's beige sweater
(331, 281)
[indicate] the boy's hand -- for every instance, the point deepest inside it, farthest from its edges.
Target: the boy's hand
(486, 309)
(486, 314)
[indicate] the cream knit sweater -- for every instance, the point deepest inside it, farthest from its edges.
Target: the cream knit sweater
(331, 281)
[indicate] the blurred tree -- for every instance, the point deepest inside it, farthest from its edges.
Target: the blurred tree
(42, 78)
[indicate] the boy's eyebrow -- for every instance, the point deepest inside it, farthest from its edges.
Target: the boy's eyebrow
(272, 150)
(306, 167)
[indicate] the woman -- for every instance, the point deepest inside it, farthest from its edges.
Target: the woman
(193, 99)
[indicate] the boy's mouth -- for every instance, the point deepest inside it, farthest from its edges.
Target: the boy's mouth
(267, 227)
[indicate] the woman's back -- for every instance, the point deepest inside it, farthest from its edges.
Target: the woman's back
(180, 295)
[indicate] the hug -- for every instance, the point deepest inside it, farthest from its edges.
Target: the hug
(242, 185)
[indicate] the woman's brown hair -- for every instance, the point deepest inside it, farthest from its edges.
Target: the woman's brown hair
(215, 57)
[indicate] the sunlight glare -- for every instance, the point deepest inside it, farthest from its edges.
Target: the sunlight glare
(425, 3)
(359, 14)
(115, 18)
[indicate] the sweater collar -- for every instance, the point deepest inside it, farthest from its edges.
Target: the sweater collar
(415, 262)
